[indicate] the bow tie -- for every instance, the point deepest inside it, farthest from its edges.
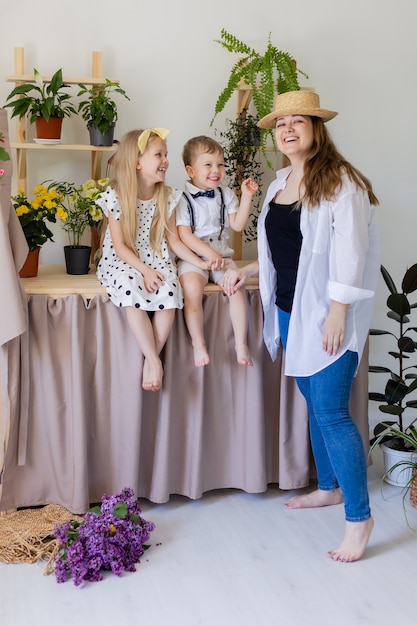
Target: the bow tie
(205, 194)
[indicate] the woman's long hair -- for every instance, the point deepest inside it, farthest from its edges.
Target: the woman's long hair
(324, 169)
(126, 186)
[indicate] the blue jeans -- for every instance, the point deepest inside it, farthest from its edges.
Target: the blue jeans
(337, 445)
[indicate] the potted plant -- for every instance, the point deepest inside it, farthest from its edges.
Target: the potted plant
(77, 211)
(45, 101)
(397, 437)
(240, 141)
(33, 217)
(99, 110)
(266, 74)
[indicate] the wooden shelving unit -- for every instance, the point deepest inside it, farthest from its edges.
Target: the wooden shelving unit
(22, 146)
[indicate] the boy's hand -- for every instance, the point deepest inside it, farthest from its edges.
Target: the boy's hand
(249, 186)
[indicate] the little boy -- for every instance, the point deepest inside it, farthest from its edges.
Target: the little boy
(204, 214)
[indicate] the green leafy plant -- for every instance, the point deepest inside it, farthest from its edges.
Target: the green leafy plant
(240, 141)
(266, 74)
(400, 433)
(77, 206)
(41, 99)
(99, 110)
(34, 214)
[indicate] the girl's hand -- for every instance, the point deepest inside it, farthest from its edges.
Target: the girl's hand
(334, 328)
(153, 279)
(249, 186)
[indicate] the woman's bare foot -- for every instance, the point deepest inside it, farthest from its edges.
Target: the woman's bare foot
(354, 543)
(152, 375)
(316, 498)
(243, 355)
(201, 356)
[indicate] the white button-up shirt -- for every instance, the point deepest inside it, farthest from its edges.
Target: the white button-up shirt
(339, 260)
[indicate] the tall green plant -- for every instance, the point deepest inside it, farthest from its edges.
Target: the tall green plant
(240, 142)
(403, 380)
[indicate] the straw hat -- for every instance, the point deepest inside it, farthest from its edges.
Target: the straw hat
(302, 102)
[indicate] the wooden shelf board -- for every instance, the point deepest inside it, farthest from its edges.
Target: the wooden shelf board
(52, 280)
(29, 78)
(62, 146)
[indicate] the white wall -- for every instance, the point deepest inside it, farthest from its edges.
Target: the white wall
(360, 56)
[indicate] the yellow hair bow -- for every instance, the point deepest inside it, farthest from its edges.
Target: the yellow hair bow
(144, 137)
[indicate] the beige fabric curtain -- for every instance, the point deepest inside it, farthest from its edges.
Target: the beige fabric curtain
(92, 430)
(13, 252)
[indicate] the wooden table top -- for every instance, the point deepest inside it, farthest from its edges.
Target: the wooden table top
(53, 280)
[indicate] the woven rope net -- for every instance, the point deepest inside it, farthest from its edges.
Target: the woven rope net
(26, 536)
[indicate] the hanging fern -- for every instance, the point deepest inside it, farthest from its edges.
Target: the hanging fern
(268, 74)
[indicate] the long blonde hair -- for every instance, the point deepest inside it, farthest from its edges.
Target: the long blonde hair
(126, 186)
(325, 167)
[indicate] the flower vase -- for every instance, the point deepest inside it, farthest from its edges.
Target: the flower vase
(77, 260)
(30, 266)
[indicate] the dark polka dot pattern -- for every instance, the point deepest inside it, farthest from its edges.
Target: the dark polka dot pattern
(125, 285)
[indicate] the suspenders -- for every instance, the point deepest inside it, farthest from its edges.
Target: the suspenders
(192, 216)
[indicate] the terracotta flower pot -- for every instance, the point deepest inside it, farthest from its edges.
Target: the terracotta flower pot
(50, 129)
(30, 266)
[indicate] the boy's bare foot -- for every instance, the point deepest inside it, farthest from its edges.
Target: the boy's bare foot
(316, 498)
(201, 356)
(354, 543)
(152, 375)
(243, 355)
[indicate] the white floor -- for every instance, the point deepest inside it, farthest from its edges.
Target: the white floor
(235, 559)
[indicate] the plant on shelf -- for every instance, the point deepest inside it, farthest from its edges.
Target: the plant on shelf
(240, 141)
(400, 433)
(33, 215)
(78, 208)
(41, 100)
(265, 74)
(99, 110)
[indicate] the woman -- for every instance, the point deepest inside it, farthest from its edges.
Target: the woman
(318, 262)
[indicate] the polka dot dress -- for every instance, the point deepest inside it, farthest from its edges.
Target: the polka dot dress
(124, 284)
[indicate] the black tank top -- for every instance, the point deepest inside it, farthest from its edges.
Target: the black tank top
(284, 238)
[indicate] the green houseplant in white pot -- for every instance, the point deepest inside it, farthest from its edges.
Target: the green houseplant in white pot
(398, 436)
(99, 110)
(46, 103)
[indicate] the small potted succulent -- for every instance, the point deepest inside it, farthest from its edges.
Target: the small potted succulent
(99, 111)
(45, 102)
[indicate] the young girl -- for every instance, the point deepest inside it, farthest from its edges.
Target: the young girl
(136, 266)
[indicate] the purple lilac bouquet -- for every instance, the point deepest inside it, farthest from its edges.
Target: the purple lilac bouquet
(110, 537)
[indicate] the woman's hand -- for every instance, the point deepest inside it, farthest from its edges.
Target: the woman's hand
(232, 280)
(334, 328)
(153, 280)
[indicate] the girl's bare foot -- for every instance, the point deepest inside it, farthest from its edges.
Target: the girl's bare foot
(243, 355)
(316, 498)
(152, 375)
(201, 356)
(354, 543)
